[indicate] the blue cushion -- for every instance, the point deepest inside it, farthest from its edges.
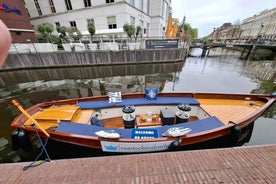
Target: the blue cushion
(138, 101)
(89, 130)
(151, 94)
(196, 126)
(95, 104)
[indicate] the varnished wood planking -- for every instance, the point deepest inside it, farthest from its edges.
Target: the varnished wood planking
(116, 122)
(229, 110)
(83, 116)
(228, 113)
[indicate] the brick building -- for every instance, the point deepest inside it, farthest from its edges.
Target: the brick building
(13, 13)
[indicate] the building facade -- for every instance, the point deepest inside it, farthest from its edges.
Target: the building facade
(226, 32)
(259, 27)
(262, 26)
(108, 16)
(14, 15)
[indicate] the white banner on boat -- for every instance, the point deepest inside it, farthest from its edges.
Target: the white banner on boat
(132, 147)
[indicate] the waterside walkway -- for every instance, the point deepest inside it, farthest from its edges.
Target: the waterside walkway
(253, 164)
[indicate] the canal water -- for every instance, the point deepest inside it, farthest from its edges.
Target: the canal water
(222, 71)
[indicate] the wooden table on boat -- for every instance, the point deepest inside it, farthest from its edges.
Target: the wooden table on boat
(145, 123)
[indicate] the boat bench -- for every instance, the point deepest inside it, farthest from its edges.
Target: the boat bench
(89, 130)
(138, 101)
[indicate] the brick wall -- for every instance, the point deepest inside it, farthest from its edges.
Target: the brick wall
(13, 13)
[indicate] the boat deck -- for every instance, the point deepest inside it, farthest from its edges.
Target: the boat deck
(254, 164)
(235, 110)
(225, 110)
(117, 122)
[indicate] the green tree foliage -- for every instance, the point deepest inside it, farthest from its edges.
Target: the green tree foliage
(190, 33)
(137, 32)
(130, 30)
(44, 32)
(74, 34)
(62, 34)
(91, 30)
(67, 34)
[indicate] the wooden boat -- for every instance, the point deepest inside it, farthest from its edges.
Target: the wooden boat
(212, 120)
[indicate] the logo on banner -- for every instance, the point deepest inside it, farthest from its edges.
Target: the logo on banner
(7, 9)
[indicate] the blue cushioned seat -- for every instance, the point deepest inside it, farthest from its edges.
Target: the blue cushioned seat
(89, 130)
(138, 101)
(196, 126)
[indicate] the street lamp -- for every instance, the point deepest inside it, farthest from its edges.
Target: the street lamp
(214, 29)
(259, 34)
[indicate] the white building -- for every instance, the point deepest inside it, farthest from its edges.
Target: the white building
(108, 16)
(262, 25)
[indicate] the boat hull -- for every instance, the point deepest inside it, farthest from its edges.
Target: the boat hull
(222, 134)
(97, 146)
(70, 150)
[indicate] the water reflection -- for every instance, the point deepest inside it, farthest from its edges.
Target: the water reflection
(126, 78)
(217, 73)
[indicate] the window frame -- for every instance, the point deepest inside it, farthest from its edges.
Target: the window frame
(68, 5)
(38, 7)
(112, 24)
(57, 24)
(87, 3)
(73, 23)
(52, 6)
(109, 1)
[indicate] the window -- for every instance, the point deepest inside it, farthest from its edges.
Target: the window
(165, 10)
(132, 2)
(141, 23)
(57, 24)
(141, 5)
(52, 6)
(132, 20)
(73, 24)
(111, 21)
(148, 6)
(87, 3)
(68, 4)
(37, 7)
(109, 1)
(147, 30)
(28, 12)
(91, 21)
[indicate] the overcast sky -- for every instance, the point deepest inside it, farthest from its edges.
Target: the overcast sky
(208, 14)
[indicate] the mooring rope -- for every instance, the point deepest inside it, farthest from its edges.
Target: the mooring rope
(41, 152)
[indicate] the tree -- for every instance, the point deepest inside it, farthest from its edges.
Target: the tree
(137, 32)
(132, 31)
(91, 30)
(62, 33)
(69, 34)
(73, 33)
(45, 31)
(190, 33)
(129, 29)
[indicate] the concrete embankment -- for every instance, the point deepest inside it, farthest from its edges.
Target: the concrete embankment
(64, 59)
